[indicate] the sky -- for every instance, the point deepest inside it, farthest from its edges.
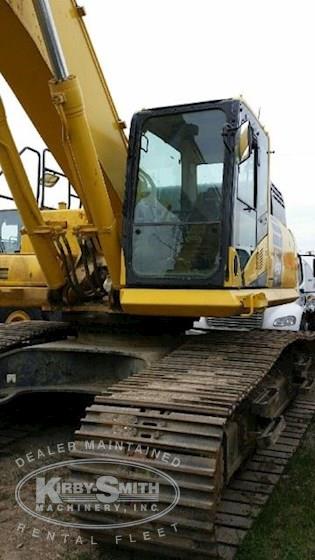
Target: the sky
(165, 52)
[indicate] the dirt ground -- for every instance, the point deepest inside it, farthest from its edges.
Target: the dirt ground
(23, 537)
(284, 531)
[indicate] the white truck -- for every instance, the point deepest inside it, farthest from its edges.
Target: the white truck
(295, 316)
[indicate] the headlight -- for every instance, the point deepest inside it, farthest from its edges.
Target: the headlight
(287, 321)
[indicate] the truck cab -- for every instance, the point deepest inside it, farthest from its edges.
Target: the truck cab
(295, 316)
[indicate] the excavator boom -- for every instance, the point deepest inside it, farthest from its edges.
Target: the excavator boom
(75, 129)
(27, 69)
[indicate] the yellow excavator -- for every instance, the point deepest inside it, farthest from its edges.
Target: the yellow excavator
(23, 287)
(182, 222)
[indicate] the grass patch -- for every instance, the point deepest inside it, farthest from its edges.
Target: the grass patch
(286, 528)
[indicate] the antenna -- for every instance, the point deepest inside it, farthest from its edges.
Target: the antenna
(259, 111)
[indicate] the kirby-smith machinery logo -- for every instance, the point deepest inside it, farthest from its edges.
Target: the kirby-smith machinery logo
(119, 493)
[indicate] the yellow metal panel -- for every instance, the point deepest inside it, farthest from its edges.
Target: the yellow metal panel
(290, 263)
(257, 265)
(122, 270)
(21, 270)
(234, 280)
(283, 260)
(23, 297)
(70, 218)
(195, 303)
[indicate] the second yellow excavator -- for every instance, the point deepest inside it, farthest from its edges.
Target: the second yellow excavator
(188, 224)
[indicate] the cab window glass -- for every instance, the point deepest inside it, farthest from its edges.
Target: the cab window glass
(246, 181)
(178, 207)
(10, 231)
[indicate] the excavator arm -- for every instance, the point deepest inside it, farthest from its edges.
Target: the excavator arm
(72, 128)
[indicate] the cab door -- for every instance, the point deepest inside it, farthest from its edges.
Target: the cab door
(245, 216)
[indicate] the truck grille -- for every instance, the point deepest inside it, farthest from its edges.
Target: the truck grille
(236, 323)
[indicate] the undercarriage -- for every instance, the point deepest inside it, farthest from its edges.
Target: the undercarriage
(193, 409)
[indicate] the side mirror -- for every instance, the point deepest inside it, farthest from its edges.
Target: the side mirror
(244, 142)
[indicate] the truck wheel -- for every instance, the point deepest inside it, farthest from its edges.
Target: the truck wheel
(19, 315)
(304, 326)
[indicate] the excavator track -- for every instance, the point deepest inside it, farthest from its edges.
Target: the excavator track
(192, 405)
(16, 336)
(20, 335)
(27, 333)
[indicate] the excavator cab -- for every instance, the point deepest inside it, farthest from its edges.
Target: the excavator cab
(197, 210)
(193, 172)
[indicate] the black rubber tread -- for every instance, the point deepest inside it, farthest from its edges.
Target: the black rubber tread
(28, 333)
(20, 335)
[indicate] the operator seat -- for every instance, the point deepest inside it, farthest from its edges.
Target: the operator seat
(200, 249)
